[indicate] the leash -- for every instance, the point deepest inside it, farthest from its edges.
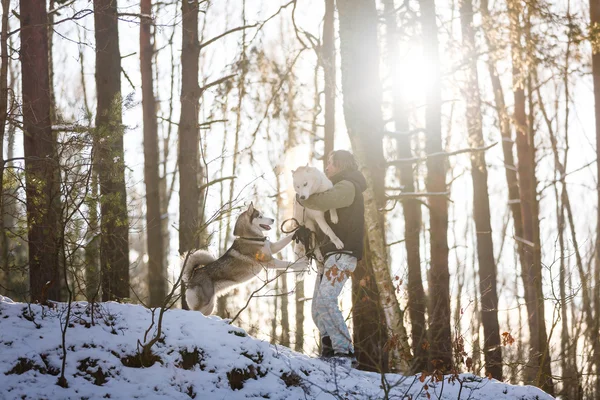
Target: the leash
(302, 235)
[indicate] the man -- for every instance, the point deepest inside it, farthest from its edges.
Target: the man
(347, 198)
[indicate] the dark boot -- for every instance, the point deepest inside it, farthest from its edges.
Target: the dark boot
(348, 358)
(326, 347)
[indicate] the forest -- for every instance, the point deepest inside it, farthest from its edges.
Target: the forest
(134, 132)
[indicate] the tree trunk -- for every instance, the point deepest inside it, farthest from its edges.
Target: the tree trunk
(3, 122)
(439, 276)
(189, 138)
(299, 316)
(411, 207)
(51, 5)
(329, 73)
(368, 334)
(41, 160)
(157, 279)
(114, 225)
(362, 110)
(512, 180)
(539, 371)
(285, 316)
(481, 202)
(595, 21)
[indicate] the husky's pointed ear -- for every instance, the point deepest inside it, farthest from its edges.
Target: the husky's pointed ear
(251, 207)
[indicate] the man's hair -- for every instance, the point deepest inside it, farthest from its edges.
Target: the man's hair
(344, 160)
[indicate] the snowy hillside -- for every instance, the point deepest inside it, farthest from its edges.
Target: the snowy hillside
(198, 357)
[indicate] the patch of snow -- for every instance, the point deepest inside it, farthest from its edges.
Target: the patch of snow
(199, 357)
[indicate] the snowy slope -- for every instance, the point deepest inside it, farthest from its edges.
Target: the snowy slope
(200, 357)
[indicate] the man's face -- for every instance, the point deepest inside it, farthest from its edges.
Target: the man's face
(331, 169)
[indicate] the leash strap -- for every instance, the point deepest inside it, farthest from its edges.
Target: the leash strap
(302, 235)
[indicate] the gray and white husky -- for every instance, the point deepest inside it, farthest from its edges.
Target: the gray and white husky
(206, 277)
(308, 181)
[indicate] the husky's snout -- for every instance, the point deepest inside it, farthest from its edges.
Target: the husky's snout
(303, 197)
(270, 221)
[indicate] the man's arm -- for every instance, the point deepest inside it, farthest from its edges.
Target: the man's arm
(339, 196)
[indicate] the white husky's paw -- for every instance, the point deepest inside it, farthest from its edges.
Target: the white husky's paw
(338, 243)
(333, 217)
(298, 267)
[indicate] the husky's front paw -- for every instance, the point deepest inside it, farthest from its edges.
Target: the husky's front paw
(299, 266)
(333, 217)
(338, 243)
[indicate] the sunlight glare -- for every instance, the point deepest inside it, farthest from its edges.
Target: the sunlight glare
(413, 74)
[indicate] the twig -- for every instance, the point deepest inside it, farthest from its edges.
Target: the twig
(413, 160)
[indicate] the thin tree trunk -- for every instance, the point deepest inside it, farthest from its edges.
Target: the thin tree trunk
(329, 72)
(3, 121)
(561, 171)
(285, 316)
(157, 279)
(274, 318)
(595, 21)
(481, 202)
(411, 207)
(114, 225)
(52, 5)
(507, 139)
(92, 248)
(189, 166)
(362, 111)
(189, 157)
(532, 273)
(439, 291)
(570, 382)
(300, 301)
(41, 161)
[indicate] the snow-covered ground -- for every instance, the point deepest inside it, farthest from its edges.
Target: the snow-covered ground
(197, 357)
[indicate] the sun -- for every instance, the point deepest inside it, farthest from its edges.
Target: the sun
(413, 74)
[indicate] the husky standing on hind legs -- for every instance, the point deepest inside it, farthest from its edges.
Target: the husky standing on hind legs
(206, 277)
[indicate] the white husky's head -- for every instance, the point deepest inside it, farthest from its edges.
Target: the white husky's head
(251, 223)
(306, 181)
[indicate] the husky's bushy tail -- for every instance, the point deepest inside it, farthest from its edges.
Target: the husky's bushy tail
(198, 259)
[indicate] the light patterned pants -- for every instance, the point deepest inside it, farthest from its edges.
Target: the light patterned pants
(325, 308)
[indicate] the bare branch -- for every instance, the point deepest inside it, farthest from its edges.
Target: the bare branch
(215, 83)
(239, 28)
(413, 160)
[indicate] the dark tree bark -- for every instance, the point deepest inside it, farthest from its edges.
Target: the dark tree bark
(41, 160)
(157, 279)
(189, 137)
(481, 201)
(114, 224)
(439, 277)
(411, 207)
(189, 165)
(362, 111)
(532, 268)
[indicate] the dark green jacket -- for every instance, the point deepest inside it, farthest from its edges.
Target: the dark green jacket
(346, 197)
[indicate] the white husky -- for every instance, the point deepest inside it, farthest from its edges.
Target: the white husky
(308, 181)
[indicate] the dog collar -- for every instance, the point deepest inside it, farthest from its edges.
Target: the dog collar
(262, 239)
